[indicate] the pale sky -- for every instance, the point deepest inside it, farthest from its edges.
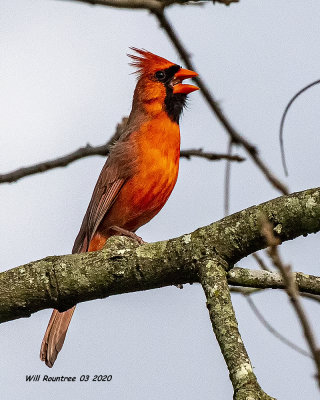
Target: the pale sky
(65, 82)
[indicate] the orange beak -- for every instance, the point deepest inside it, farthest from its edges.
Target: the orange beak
(180, 76)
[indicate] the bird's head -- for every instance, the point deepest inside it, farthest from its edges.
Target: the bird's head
(160, 86)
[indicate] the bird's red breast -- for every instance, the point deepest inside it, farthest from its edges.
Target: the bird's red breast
(157, 147)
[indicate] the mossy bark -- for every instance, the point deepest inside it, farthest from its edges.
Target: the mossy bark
(206, 255)
(62, 281)
(272, 280)
(215, 285)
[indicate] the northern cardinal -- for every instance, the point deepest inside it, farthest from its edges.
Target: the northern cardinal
(139, 174)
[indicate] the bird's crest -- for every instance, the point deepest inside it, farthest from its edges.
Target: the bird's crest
(147, 62)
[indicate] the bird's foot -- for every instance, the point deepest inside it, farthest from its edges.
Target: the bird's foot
(130, 234)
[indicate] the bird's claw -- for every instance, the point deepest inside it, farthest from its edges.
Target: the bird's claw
(129, 234)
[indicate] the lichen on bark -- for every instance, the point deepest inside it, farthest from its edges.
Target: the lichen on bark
(215, 285)
(205, 255)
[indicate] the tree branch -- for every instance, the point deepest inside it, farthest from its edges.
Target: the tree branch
(148, 4)
(248, 291)
(65, 160)
(62, 281)
(235, 136)
(102, 150)
(129, 4)
(293, 293)
(205, 255)
(157, 8)
(225, 326)
(273, 331)
(272, 280)
(209, 156)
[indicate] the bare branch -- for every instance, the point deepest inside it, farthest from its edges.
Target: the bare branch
(157, 8)
(314, 297)
(283, 156)
(260, 262)
(152, 5)
(129, 4)
(272, 280)
(246, 291)
(226, 2)
(204, 255)
(214, 283)
(62, 281)
(65, 160)
(213, 104)
(292, 290)
(209, 156)
(102, 150)
(82, 152)
(273, 331)
(227, 179)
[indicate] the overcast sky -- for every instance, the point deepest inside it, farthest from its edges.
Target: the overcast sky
(65, 82)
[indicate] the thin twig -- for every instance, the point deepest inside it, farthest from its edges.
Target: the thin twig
(310, 296)
(148, 4)
(129, 4)
(283, 157)
(227, 180)
(209, 156)
(247, 291)
(292, 290)
(234, 135)
(102, 150)
(272, 330)
(65, 160)
(260, 262)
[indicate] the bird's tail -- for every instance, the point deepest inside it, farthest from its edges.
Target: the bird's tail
(59, 322)
(55, 334)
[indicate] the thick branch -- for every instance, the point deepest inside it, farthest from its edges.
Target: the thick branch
(61, 281)
(214, 282)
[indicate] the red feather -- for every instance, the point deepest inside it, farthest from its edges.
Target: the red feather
(147, 63)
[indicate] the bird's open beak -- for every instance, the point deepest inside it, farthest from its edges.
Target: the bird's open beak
(179, 87)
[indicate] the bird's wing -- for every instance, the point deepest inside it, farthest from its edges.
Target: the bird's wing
(105, 192)
(107, 188)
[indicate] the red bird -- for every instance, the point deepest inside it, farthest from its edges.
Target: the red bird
(139, 174)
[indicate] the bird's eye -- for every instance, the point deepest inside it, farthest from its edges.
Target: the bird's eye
(160, 75)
